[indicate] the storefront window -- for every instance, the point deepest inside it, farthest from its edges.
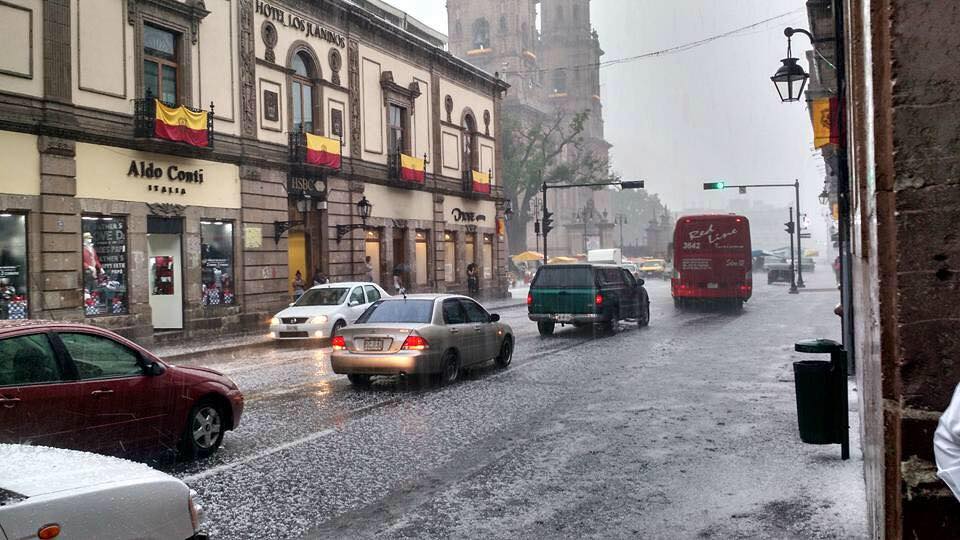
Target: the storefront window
(487, 256)
(13, 266)
(450, 257)
(104, 265)
(216, 263)
(471, 244)
(421, 255)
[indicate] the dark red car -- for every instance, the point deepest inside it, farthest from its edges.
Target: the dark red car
(82, 387)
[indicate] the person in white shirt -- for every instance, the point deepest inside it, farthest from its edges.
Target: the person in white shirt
(946, 445)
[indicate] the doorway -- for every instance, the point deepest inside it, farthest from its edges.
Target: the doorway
(165, 259)
(296, 258)
(399, 258)
(372, 250)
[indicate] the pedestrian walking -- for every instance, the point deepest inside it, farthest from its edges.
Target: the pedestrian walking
(298, 286)
(319, 278)
(368, 276)
(836, 268)
(398, 278)
(946, 445)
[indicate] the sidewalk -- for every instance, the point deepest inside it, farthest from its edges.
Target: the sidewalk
(180, 352)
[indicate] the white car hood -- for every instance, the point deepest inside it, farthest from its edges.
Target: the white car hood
(308, 311)
(38, 470)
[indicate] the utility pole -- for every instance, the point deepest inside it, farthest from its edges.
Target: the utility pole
(796, 187)
(791, 229)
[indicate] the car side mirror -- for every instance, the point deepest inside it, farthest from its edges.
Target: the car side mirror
(494, 317)
(353, 303)
(640, 282)
(154, 369)
(291, 304)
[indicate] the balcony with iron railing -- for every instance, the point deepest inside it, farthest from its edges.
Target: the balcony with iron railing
(303, 162)
(145, 122)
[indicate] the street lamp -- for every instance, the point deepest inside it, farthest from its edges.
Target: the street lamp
(364, 207)
(824, 197)
(790, 78)
(620, 220)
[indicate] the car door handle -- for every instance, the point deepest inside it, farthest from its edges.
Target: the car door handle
(97, 393)
(454, 331)
(9, 403)
(477, 328)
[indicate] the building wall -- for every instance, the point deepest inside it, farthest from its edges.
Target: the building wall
(905, 203)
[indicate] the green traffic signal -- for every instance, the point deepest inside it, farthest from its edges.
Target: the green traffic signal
(714, 185)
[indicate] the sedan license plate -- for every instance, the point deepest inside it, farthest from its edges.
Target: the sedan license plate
(293, 328)
(373, 344)
(564, 317)
(712, 285)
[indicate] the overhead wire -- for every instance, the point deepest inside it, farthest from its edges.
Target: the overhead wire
(662, 52)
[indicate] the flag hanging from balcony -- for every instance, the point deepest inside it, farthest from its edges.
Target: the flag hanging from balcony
(481, 182)
(323, 151)
(412, 169)
(181, 124)
(825, 126)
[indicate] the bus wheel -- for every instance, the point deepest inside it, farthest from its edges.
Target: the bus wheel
(678, 303)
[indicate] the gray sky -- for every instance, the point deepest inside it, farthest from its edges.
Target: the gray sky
(707, 113)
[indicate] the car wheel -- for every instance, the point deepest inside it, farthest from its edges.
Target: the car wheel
(506, 353)
(451, 368)
(357, 379)
(644, 318)
(337, 327)
(546, 328)
(204, 431)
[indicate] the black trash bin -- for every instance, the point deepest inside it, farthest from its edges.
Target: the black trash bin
(815, 402)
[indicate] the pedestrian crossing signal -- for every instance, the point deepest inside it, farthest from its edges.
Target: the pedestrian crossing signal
(714, 185)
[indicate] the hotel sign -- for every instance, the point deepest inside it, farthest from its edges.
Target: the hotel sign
(290, 20)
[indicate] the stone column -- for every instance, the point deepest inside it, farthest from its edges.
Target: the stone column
(61, 259)
(263, 290)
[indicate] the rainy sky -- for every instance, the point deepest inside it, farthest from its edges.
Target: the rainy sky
(705, 113)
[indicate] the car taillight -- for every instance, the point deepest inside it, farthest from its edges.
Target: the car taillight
(415, 342)
(338, 343)
(598, 300)
(529, 299)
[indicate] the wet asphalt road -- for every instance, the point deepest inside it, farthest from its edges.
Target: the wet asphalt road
(685, 429)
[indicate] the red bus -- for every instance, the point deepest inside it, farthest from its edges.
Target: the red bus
(712, 259)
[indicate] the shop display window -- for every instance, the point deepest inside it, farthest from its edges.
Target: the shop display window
(450, 257)
(216, 263)
(13, 266)
(104, 265)
(487, 256)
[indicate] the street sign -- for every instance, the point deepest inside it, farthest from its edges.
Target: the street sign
(743, 190)
(631, 184)
(804, 235)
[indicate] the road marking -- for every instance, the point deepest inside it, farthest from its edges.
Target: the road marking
(269, 452)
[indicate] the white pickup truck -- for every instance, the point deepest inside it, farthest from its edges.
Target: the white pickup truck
(55, 493)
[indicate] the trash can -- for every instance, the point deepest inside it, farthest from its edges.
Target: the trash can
(816, 402)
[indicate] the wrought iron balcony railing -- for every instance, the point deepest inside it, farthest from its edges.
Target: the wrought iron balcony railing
(145, 118)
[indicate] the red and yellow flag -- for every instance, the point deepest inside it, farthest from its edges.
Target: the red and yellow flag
(181, 124)
(412, 169)
(825, 126)
(481, 182)
(323, 151)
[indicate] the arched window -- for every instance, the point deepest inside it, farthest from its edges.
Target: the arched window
(303, 101)
(481, 34)
(503, 24)
(469, 143)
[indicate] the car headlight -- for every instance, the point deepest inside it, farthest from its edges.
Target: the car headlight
(275, 321)
(319, 319)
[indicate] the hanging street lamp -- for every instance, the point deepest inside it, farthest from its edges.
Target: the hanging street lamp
(790, 78)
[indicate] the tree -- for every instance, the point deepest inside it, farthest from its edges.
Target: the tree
(548, 148)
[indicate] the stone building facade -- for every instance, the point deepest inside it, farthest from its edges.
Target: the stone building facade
(551, 67)
(163, 240)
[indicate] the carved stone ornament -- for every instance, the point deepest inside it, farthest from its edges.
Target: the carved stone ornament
(486, 122)
(248, 89)
(268, 33)
(336, 62)
(166, 209)
(395, 92)
(448, 106)
(353, 67)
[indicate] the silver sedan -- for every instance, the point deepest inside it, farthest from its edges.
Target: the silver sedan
(421, 334)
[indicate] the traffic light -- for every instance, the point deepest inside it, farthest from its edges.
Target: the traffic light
(536, 227)
(789, 226)
(631, 184)
(714, 185)
(547, 224)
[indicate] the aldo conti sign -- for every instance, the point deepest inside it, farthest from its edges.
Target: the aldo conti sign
(126, 175)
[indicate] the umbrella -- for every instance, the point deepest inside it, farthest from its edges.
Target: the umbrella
(527, 256)
(555, 260)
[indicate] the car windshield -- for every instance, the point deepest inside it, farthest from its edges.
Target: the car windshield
(398, 311)
(564, 276)
(332, 296)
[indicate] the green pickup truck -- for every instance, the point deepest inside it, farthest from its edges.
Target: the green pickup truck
(581, 294)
